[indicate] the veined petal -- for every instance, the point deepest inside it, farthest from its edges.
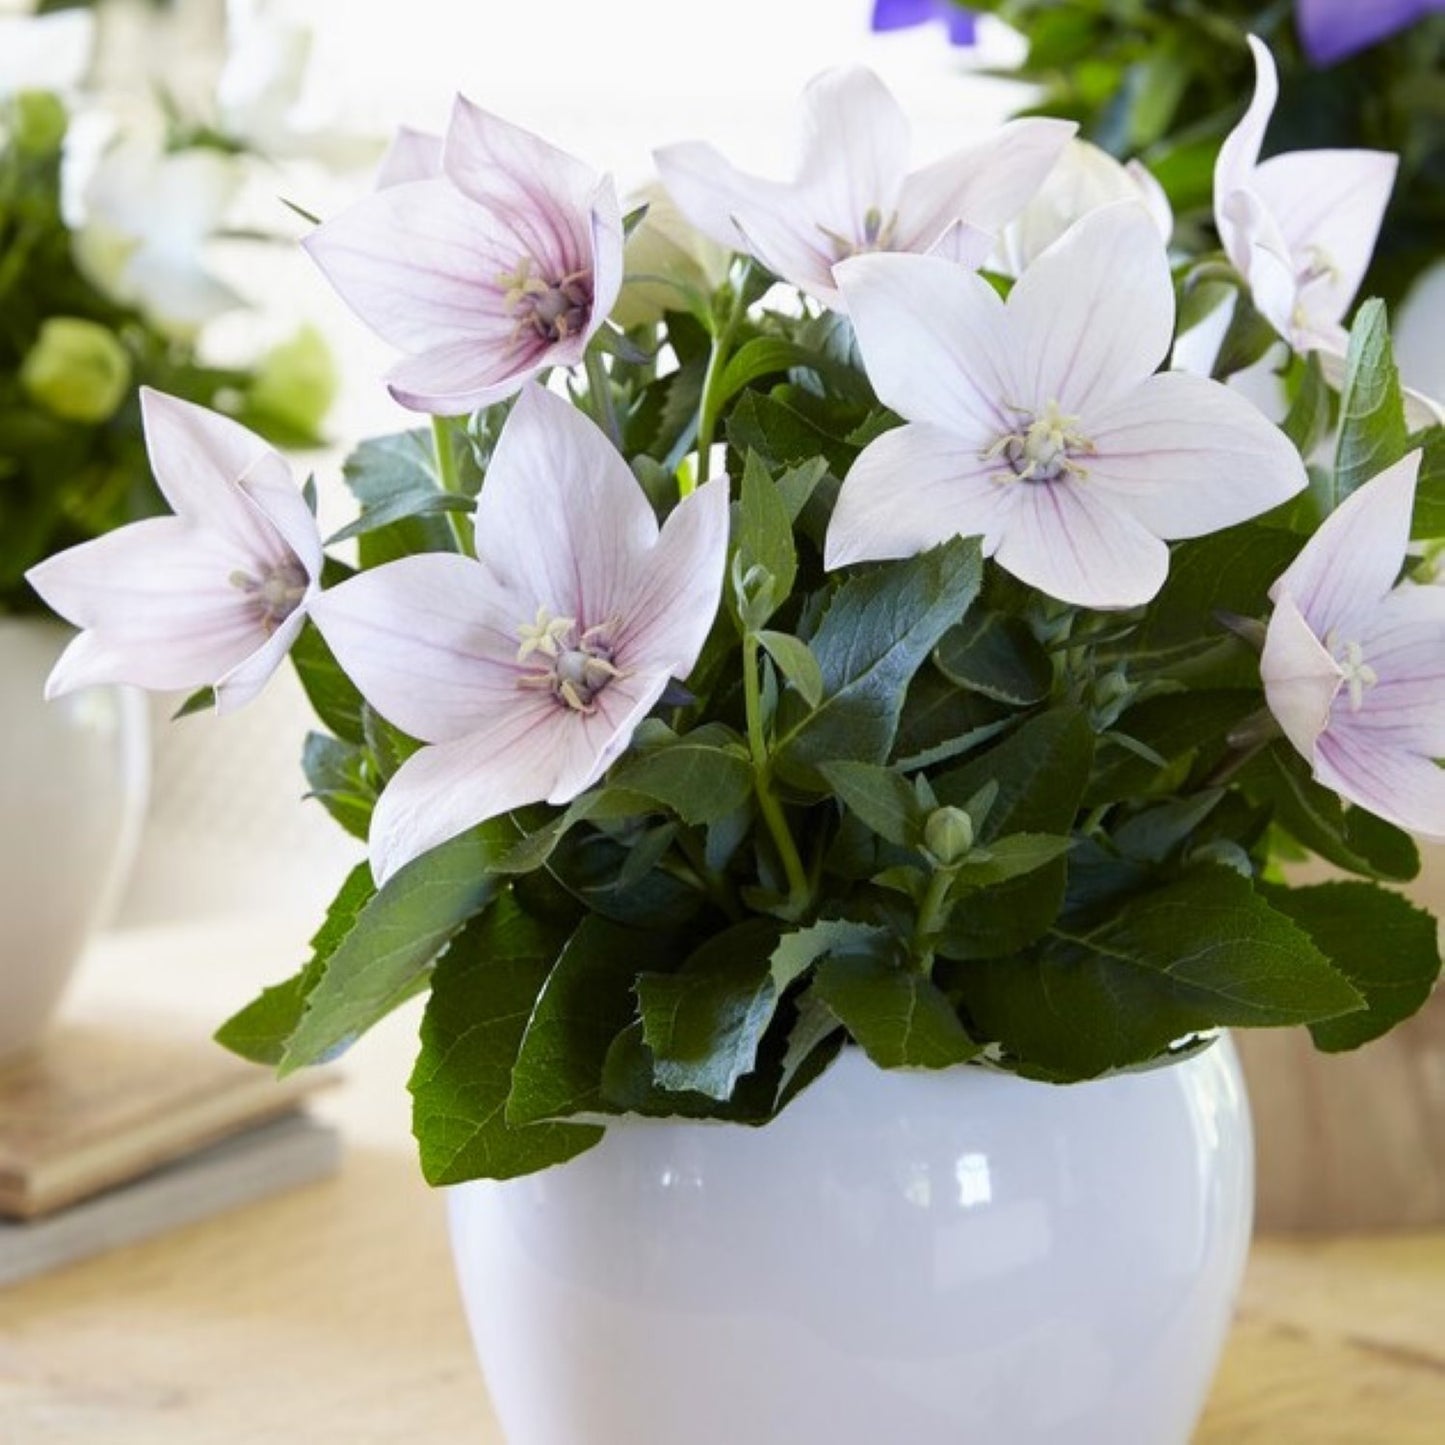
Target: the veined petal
(1078, 546)
(1403, 643)
(986, 184)
(413, 155)
(586, 751)
(1262, 256)
(934, 340)
(1239, 154)
(676, 587)
(964, 245)
(1186, 456)
(244, 681)
(1301, 679)
(709, 190)
(271, 489)
(608, 244)
(562, 519)
(914, 487)
(1083, 338)
(464, 375)
(430, 641)
(1350, 564)
(1399, 786)
(510, 758)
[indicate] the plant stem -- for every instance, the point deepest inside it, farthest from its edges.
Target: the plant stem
(599, 395)
(799, 889)
(716, 363)
(931, 913)
(460, 524)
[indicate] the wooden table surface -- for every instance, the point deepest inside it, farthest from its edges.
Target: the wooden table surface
(330, 1315)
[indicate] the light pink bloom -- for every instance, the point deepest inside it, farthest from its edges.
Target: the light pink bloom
(1039, 424)
(528, 669)
(853, 192)
(1300, 227)
(501, 266)
(1354, 665)
(212, 596)
(413, 155)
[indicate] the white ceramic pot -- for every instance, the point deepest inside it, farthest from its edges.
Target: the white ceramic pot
(73, 780)
(900, 1259)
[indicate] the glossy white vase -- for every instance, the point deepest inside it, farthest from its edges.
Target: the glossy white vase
(900, 1259)
(73, 782)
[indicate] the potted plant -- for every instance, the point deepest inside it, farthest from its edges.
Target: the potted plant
(844, 709)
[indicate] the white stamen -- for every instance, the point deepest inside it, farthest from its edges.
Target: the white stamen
(578, 663)
(1044, 450)
(554, 308)
(1359, 676)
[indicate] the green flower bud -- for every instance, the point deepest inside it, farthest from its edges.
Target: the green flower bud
(77, 370)
(38, 122)
(948, 835)
(295, 384)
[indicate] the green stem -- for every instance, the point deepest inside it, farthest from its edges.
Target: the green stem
(717, 361)
(448, 476)
(717, 885)
(931, 914)
(799, 889)
(599, 395)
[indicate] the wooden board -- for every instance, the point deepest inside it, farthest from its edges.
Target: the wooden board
(97, 1105)
(331, 1315)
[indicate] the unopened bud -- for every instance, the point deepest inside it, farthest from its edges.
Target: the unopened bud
(77, 370)
(948, 835)
(39, 122)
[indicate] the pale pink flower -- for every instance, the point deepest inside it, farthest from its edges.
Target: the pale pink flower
(1354, 664)
(413, 155)
(1039, 424)
(213, 596)
(528, 669)
(852, 191)
(501, 266)
(1301, 227)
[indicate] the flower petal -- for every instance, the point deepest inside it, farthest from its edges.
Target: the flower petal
(1352, 561)
(1301, 679)
(608, 244)
(586, 751)
(463, 376)
(912, 488)
(1404, 643)
(413, 155)
(1076, 545)
(1186, 456)
(1239, 154)
(430, 641)
(1401, 787)
(986, 184)
(510, 759)
(1084, 338)
(934, 340)
(709, 190)
(247, 678)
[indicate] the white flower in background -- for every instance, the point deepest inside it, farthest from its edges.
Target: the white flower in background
(1354, 661)
(44, 52)
(528, 669)
(148, 215)
(212, 596)
(503, 266)
(853, 192)
(1084, 178)
(1040, 425)
(1300, 228)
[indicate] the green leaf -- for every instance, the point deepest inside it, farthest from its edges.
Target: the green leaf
(769, 355)
(704, 1023)
(764, 539)
(393, 474)
(878, 632)
(483, 994)
(881, 798)
(1373, 433)
(417, 502)
(782, 436)
(901, 1019)
(813, 1043)
(336, 773)
(386, 956)
(1013, 857)
(1350, 838)
(535, 849)
(202, 700)
(1247, 340)
(997, 656)
(703, 776)
(260, 1031)
(797, 664)
(586, 1001)
(1429, 519)
(1382, 943)
(1311, 414)
(1202, 953)
(331, 693)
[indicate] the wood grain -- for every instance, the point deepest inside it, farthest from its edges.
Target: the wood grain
(331, 1315)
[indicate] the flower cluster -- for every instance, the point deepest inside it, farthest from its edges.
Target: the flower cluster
(964, 716)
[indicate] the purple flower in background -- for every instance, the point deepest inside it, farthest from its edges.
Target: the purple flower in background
(901, 14)
(1329, 30)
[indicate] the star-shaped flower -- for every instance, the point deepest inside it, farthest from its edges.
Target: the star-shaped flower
(527, 670)
(1040, 424)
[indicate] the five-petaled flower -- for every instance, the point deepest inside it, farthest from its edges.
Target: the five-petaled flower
(1301, 227)
(504, 264)
(1040, 425)
(853, 192)
(1354, 664)
(527, 670)
(213, 596)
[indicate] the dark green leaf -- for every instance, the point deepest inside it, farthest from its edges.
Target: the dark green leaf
(336, 774)
(331, 693)
(764, 538)
(701, 776)
(797, 663)
(997, 656)
(883, 799)
(1373, 433)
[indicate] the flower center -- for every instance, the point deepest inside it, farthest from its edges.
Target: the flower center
(1044, 449)
(571, 663)
(878, 233)
(277, 592)
(1359, 676)
(553, 309)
